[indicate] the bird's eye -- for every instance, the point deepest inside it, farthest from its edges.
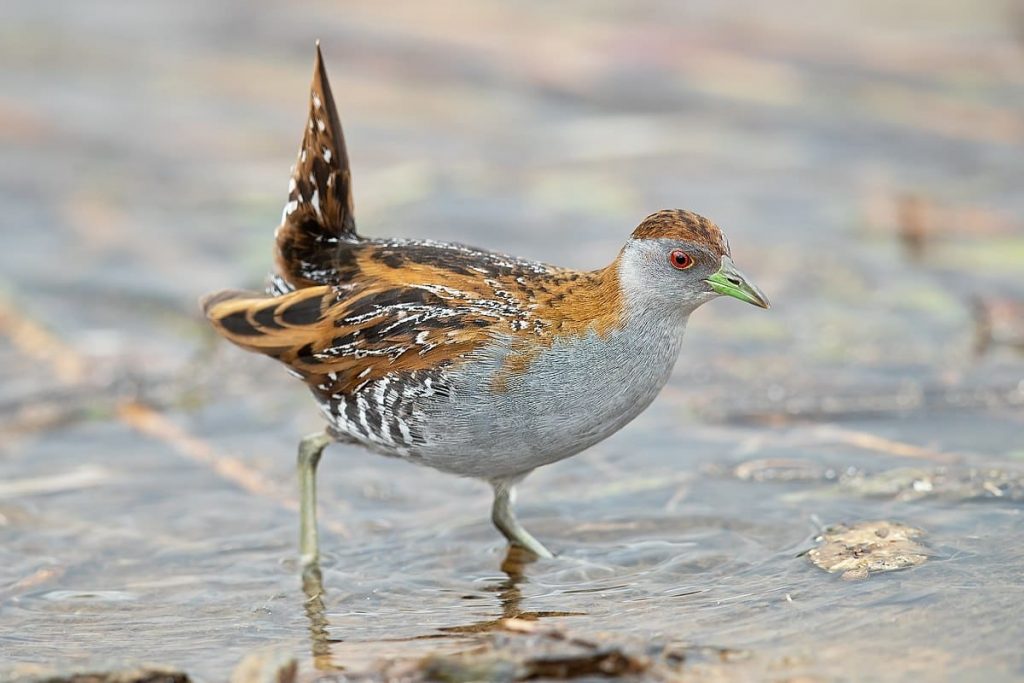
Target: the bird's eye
(680, 259)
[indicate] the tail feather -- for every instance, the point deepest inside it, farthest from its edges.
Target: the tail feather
(277, 326)
(318, 218)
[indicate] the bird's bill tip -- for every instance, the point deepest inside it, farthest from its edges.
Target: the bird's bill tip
(729, 281)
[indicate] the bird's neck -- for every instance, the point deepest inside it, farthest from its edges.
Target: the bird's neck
(582, 301)
(604, 301)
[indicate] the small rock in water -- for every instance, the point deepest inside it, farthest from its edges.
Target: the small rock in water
(861, 549)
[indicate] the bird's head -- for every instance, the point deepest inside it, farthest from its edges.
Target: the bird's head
(681, 260)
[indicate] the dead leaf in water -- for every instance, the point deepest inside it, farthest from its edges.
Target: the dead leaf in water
(864, 548)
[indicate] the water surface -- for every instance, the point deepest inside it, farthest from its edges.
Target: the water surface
(865, 164)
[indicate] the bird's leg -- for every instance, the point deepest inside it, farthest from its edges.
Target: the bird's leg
(310, 449)
(504, 518)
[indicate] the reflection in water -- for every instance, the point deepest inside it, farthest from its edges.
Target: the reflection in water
(313, 587)
(509, 594)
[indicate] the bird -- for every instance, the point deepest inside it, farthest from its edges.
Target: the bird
(468, 361)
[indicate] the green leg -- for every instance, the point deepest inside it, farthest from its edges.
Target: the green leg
(504, 518)
(310, 449)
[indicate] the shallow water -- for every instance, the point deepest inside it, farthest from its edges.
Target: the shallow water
(147, 493)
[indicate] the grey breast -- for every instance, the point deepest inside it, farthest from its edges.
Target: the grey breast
(574, 394)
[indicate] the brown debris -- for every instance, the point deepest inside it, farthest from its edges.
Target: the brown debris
(880, 444)
(600, 663)
(266, 666)
(913, 225)
(865, 548)
(522, 650)
(140, 675)
(549, 654)
(998, 321)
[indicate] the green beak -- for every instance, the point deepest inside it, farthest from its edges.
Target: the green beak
(732, 282)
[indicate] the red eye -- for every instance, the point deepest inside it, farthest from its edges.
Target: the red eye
(680, 259)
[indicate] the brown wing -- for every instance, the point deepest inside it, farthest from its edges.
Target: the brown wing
(412, 306)
(340, 338)
(319, 213)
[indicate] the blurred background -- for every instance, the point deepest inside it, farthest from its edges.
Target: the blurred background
(866, 160)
